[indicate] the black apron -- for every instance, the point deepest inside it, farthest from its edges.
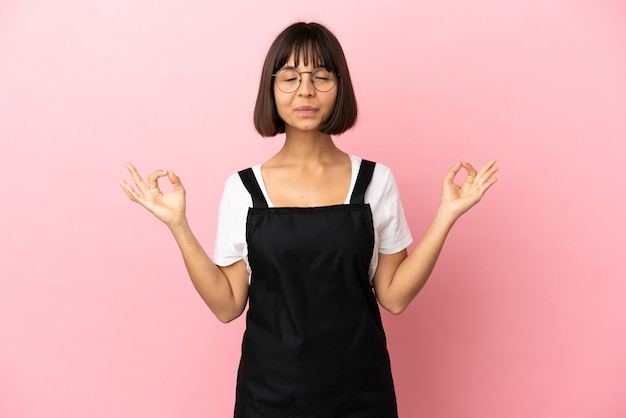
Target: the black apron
(314, 344)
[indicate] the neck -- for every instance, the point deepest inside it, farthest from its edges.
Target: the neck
(308, 147)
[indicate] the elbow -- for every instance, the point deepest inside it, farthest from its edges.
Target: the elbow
(226, 317)
(392, 303)
(227, 320)
(395, 308)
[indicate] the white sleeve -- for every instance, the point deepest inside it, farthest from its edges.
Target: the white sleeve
(389, 218)
(230, 241)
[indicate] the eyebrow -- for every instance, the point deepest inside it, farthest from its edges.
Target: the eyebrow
(291, 67)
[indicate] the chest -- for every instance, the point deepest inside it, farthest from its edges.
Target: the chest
(314, 188)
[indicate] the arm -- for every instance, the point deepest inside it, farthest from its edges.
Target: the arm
(224, 289)
(399, 277)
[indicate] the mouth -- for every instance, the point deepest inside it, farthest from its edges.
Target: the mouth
(306, 111)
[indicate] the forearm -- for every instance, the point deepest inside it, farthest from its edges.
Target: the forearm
(413, 272)
(399, 278)
(210, 280)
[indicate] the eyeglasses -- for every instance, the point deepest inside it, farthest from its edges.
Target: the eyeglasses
(288, 79)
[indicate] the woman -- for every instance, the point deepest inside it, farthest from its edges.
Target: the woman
(313, 240)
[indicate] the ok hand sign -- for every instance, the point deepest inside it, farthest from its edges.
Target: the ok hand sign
(168, 207)
(457, 200)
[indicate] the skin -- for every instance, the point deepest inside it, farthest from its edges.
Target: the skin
(308, 171)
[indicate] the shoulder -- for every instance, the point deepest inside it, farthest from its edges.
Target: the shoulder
(381, 171)
(235, 193)
(382, 174)
(382, 181)
(234, 184)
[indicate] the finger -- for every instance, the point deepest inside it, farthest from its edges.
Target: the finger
(490, 163)
(487, 167)
(471, 173)
(485, 186)
(488, 171)
(130, 192)
(486, 178)
(175, 180)
(452, 172)
(136, 178)
(153, 179)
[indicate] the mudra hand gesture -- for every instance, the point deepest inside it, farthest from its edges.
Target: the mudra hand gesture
(167, 207)
(455, 199)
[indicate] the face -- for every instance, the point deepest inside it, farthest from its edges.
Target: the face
(306, 109)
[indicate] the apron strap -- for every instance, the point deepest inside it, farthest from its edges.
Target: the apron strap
(249, 180)
(362, 181)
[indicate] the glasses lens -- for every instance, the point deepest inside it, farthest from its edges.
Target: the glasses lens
(288, 80)
(323, 80)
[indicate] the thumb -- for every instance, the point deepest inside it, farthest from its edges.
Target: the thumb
(452, 172)
(175, 180)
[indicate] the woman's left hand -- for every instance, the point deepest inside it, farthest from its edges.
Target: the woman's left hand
(456, 200)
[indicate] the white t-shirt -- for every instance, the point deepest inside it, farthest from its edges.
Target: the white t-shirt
(391, 231)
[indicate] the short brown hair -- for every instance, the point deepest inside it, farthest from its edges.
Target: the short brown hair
(310, 42)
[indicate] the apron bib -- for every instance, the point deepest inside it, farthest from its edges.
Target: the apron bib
(314, 344)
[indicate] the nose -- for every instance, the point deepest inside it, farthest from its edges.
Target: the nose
(306, 84)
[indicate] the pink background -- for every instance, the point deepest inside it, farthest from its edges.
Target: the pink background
(524, 315)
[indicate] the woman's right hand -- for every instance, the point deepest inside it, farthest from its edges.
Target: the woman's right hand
(169, 207)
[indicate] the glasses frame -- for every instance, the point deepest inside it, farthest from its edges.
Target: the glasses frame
(300, 79)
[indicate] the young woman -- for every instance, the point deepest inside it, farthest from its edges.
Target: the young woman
(312, 241)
